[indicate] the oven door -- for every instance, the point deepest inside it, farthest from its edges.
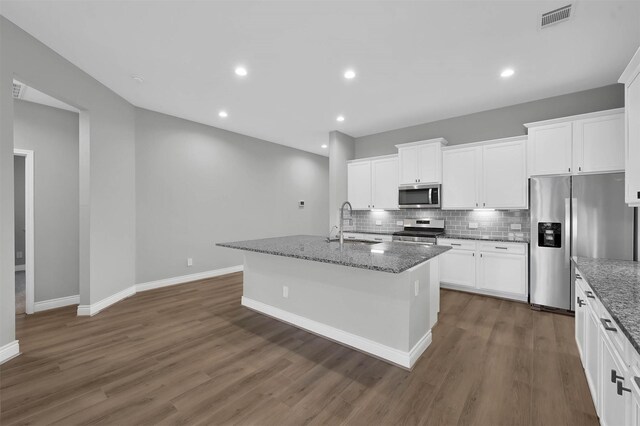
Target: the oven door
(419, 197)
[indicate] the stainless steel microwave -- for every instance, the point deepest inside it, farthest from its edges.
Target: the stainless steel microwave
(421, 196)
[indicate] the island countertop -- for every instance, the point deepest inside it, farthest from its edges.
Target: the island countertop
(392, 257)
(617, 284)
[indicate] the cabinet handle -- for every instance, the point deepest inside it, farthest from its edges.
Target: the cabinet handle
(605, 323)
(502, 248)
(569, 168)
(638, 195)
(473, 254)
(614, 376)
(622, 389)
(579, 169)
(578, 276)
(476, 204)
(581, 302)
(480, 254)
(590, 295)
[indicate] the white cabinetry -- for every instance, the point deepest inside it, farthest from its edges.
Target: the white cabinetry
(610, 362)
(373, 183)
(587, 143)
(421, 162)
(489, 174)
(485, 267)
(631, 80)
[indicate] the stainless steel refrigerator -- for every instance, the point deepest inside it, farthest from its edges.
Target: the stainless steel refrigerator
(575, 216)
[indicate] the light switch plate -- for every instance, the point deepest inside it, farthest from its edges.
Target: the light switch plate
(189, 261)
(416, 285)
(285, 291)
(473, 225)
(399, 223)
(516, 226)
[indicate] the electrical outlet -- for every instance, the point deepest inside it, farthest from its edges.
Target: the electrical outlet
(473, 225)
(189, 261)
(416, 285)
(378, 223)
(285, 291)
(399, 223)
(516, 226)
(18, 255)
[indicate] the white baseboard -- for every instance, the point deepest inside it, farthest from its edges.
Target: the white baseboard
(384, 352)
(502, 295)
(22, 267)
(56, 303)
(94, 308)
(8, 351)
(188, 278)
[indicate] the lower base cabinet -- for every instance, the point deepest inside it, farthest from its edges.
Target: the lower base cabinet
(485, 267)
(612, 369)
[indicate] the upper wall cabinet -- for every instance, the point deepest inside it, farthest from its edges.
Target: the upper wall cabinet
(491, 174)
(587, 143)
(421, 162)
(631, 80)
(373, 183)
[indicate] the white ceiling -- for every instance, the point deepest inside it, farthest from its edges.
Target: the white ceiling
(416, 61)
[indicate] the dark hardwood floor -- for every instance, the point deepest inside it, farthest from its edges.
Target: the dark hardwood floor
(190, 354)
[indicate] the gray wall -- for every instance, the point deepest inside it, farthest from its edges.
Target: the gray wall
(197, 185)
(341, 149)
(52, 134)
(107, 170)
(493, 124)
(18, 201)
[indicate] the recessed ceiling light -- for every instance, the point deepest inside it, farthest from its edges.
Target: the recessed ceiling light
(349, 74)
(137, 78)
(508, 72)
(223, 114)
(241, 71)
(340, 118)
(324, 145)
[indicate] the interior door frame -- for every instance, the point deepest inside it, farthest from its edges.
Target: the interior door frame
(29, 227)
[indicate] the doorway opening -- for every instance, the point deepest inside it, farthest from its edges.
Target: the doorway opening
(24, 224)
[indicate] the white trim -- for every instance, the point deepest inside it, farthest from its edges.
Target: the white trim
(90, 310)
(45, 305)
(188, 278)
(379, 157)
(442, 141)
(384, 352)
(94, 308)
(483, 292)
(630, 71)
(29, 222)
(522, 138)
(20, 268)
(575, 117)
(8, 351)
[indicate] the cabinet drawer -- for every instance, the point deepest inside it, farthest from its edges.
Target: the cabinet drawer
(612, 330)
(352, 236)
(497, 247)
(457, 244)
(377, 237)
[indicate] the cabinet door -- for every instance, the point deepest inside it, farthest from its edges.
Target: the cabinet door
(581, 307)
(598, 144)
(632, 107)
(614, 408)
(460, 178)
(550, 149)
(359, 184)
(408, 164)
(458, 267)
(429, 163)
(591, 351)
(504, 273)
(384, 183)
(504, 175)
(635, 410)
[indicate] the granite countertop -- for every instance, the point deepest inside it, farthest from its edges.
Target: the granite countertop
(617, 284)
(390, 257)
(369, 232)
(482, 238)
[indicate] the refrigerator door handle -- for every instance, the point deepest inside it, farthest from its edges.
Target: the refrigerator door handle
(567, 224)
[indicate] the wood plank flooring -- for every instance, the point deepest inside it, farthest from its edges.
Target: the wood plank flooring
(190, 354)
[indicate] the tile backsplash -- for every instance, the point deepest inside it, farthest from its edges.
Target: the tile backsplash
(491, 223)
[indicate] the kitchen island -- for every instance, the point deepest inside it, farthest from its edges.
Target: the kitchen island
(382, 299)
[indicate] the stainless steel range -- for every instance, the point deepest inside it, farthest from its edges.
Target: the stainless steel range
(420, 231)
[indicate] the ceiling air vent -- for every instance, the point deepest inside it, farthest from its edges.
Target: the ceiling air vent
(18, 90)
(555, 16)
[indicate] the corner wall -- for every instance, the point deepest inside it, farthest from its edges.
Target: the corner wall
(341, 150)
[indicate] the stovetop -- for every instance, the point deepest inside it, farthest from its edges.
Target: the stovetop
(425, 234)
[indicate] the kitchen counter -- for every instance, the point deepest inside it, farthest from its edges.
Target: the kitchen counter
(617, 285)
(393, 257)
(481, 238)
(370, 232)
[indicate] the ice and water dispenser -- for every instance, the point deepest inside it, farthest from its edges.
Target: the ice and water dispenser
(550, 234)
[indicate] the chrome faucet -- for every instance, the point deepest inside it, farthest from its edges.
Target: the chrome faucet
(346, 203)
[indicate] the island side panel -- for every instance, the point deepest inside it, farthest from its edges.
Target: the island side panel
(369, 304)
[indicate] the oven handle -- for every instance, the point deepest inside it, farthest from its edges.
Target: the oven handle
(430, 190)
